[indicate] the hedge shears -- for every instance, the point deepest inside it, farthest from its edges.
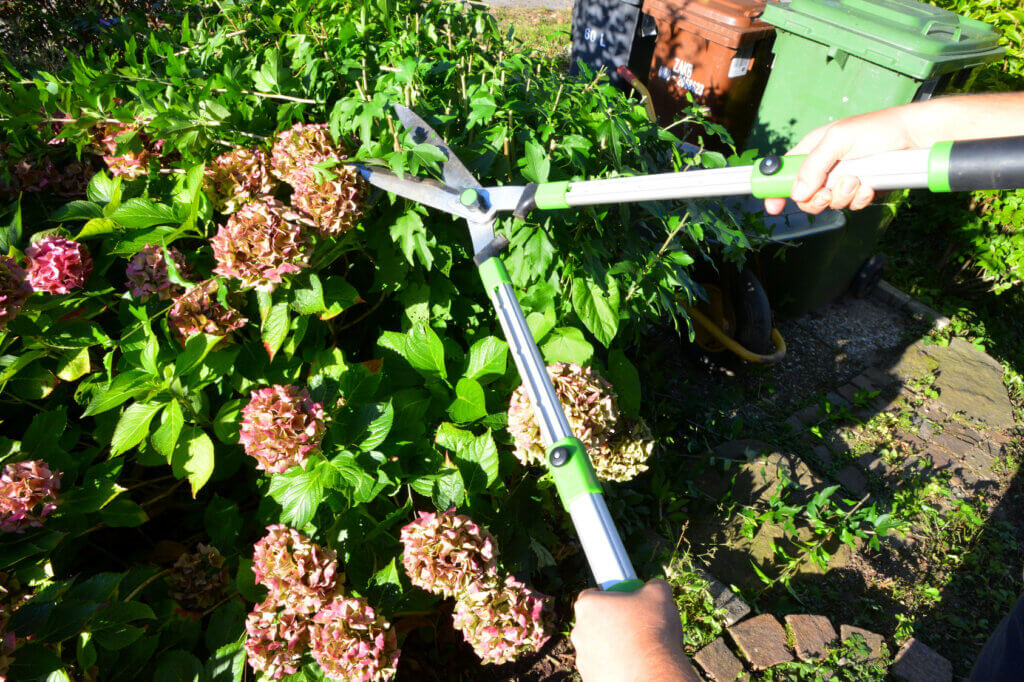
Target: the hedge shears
(957, 166)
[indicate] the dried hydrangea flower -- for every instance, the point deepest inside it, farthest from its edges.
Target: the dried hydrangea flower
(445, 553)
(147, 273)
(129, 164)
(503, 620)
(197, 579)
(74, 179)
(14, 290)
(238, 177)
(28, 492)
(589, 404)
(197, 311)
(275, 639)
(281, 427)
(260, 244)
(8, 644)
(335, 205)
(57, 265)
(299, 148)
(628, 452)
(351, 642)
(299, 573)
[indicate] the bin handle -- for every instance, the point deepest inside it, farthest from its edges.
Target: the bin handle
(957, 30)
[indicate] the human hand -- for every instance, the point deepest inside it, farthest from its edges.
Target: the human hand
(629, 637)
(848, 138)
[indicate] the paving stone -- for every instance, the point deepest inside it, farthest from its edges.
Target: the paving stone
(864, 383)
(848, 392)
(873, 640)
(718, 662)
(852, 479)
(914, 363)
(925, 431)
(742, 449)
(966, 433)
(735, 608)
(836, 399)
(917, 662)
(971, 382)
(795, 425)
(823, 454)
(874, 464)
(812, 635)
(762, 641)
(809, 415)
(880, 377)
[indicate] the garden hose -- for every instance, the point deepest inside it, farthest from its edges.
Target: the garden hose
(732, 345)
(631, 78)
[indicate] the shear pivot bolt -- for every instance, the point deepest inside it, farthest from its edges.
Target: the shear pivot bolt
(770, 165)
(559, 456)
(469, 197)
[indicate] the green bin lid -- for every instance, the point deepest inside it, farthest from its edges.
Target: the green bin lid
(907, 36)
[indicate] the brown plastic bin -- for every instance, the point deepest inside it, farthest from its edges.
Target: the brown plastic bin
(718, 50)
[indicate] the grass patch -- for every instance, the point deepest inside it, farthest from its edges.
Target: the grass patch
(548, 32)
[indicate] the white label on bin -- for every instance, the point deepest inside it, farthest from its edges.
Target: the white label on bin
(681, 74)
(740, 64)
(592, 35)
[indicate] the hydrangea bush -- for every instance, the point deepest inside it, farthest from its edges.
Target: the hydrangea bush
(247, 401)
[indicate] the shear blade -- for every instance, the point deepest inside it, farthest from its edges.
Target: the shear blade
(454, 172)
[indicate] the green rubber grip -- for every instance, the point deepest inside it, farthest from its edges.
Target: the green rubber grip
(938, 166)
(576, 476)
(493, 273)
(626, 586)
(778, 184)
(551, 195)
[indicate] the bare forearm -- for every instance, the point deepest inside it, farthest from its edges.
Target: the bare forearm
(963, 117)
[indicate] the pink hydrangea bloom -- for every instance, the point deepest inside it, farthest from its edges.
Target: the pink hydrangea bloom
(281, 427)
(147, 273)
(130, 163)
(616, 446)
(275, 639)
(335, 205)
(299, 148)
(299, 573)
(352, 643)
(445, 553)
(503, 620)
(198, 311)
(197, 579)
(238, 177)
(57, 265)
(14, 290)
(260, 244)
(28, 492)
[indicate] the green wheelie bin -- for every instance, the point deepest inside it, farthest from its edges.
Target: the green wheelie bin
(839, 58)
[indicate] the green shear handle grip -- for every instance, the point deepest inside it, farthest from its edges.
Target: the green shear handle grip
(971, 165)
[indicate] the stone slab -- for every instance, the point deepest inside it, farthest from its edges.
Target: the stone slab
(852, 479)
(735, 608)
(718, 662)
(917, 662)
(971, 382)
(762, 641)
(872, 639)
(812, 635)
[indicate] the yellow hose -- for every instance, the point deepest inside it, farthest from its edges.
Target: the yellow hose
(640, 88)
(731, 344)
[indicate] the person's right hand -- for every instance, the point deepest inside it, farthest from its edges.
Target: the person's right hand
(848, 138)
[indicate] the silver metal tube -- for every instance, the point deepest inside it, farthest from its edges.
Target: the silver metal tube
(701, 183)
(600, 539)
(546, 406)
(906, 169)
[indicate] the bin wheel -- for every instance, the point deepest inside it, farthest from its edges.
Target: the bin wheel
(753, 313)
(869, 275)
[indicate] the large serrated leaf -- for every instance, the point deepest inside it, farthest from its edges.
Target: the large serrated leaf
(488, 358)
(165, 438)
(141, 213)
(275, 328)
(123, 387)
(299, 493)
(469, 404)
(193, 458)
(597, 306)
(133, 427)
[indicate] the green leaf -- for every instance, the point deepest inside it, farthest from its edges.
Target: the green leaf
(339, 296)
(535, 165)
(566, 344)
(77, 210)
(196, 349)
(10, 233)
(275, 328)
(141, 213)
(149, 354)
(223, 522)
(425, 351)
(488, 357)
(226, 665)
(132, 427)
(165, 438)
(309, 300)
(225, 624)
(469, 404)
(626, 380)
(411, 235)
(299, 492)
(378, 418)
(123, 387)
(74, 364)
(193, 457)
(541, 324)
(226, 423)
(97, 227)
(177, 666)
(448, 490)
(103, 189)
(475, 456)
(344, 473)
(85, 651)
(597, 307)
(123, 513)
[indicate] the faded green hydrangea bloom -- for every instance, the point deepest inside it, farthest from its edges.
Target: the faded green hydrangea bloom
(238, 177)
(503, 620)
(446, 553)
(351, 642)
(260, 244)
(281, 427)
(197, 579)
(300, 574)
(197, 311)
(275, 639)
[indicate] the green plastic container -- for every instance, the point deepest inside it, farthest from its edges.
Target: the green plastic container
(839, 58)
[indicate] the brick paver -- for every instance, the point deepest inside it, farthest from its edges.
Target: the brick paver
(873, 640)
(718, 662)
(852, 479)
(812, 635)
(917, 662)
(762, 641)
